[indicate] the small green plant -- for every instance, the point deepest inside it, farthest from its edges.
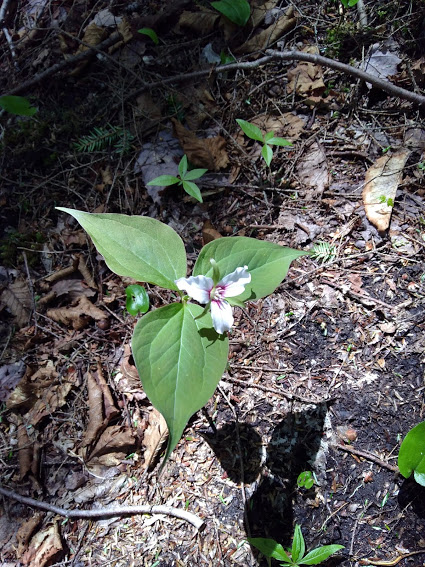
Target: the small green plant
(269, 139)
(348, 3)
(18, 105)
(295, 556)
(323, 251)
(150, 33)
(185, 179)
(237, 11)
(137, 299)
(411, 457)
(387, 200)
(421, 165)
(104, 137)
(306, 479)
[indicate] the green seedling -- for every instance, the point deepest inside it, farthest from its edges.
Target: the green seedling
(269, 139)
(137, 300)
(18, 105)
(150, 33)
(323, 251)
(348, 3)
(411, 457)
(295, 556)
(237, 11)
(104, 137)
(306, 480)
(185, 179)
(387, 200)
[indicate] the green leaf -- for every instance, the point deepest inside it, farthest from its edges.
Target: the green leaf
(137, 299)
(150, 33)
(194, 174)
(180, 360)
(270, 548)
(267, 262)
(267, 154)
(268, 136)
(17, 105)
(164, 181)
(183, 166)
(237, 11)
(320, 554)
(279, 142)
(193, 190)
(141, 248)
(305, 480)
(298, 545)
(411, 456)
(250, 130)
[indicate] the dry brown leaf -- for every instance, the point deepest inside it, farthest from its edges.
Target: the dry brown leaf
(78, 315)
(45, 548)
(10, 376)
(26, 531)
(155, 436)
(381, 184)
(312, 170)
(85, 272)
(17, 298)
(306, 78)
(92, 36)
(266, 37)
(201, 23)
(27, 456)
(51, 394)
(115, 443)
(258, 13)
(73, 288)
(209, 233)
(202, 152)
(287, 125)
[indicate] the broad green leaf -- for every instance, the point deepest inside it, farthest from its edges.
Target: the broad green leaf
(180, 360)
(251, 130)
(17, 105)
(164, 181)
(150, 33)
(298, 545)
(237, 11)
(411, 457)
(279, 142)
(137, 299)
(183, 166)
(268, 136)
(194, 174)
(305, 480)
(270, 548)
(137, 247)
(193, 190)
(419, 477)
(267, 262)
(317, 556)
(267, 154)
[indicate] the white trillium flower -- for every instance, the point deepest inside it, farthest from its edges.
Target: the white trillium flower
(203, 290)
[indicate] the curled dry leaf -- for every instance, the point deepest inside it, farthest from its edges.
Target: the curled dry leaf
(101, 407)
(306, 78)
(155, 437)
(45, 548)
(92, 36)
(258, 13)
(17, 298)
(113, 446)
(209, 153)
(78, 315)
(26, 531)
(272, 33)
(27, 452)
(381, 184)
(201, 23)
(209, 233)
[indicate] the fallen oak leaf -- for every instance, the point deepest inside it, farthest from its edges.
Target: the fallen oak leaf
(45, 548)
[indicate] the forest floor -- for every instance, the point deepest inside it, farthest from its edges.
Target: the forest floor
(325, 375)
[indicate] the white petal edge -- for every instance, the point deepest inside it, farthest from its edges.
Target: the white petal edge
(222, 316)
(234, 283)
(197, 287)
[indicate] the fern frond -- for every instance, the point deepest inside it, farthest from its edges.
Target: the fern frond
(101, 138)
(323, 251)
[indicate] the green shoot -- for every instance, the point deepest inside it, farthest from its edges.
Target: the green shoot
(185, 178)
(269, 139)
(237, 11)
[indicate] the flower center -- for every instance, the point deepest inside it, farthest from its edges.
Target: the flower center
(217, 293)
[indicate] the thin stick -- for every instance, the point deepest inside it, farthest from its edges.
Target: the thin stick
(109, 511)
(3, 11)
(367, 456)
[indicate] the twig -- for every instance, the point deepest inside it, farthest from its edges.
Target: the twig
(392, 562)
(3, 11)
(11, 47)
(105, 512)
(367, 456)
(281, 393)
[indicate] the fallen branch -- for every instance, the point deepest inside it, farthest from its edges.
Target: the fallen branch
(105, 512)
(242, 65)
(367, 456)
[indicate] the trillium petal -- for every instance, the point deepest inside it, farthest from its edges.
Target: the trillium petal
(234, 284)
(222, 316)
(197, 287)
